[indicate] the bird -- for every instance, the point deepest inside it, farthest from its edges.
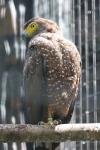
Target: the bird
(52, 71)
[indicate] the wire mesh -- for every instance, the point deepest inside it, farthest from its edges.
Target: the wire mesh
(86, 39)
(79, 20)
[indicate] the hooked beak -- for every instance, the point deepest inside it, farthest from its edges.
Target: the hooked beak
(24, 34)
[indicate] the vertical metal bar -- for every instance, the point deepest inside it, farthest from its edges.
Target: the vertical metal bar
(3, 102)
(87, 61)
(99, 9)
(60, 11)
(73, 39)
(2, 2)
(80, 48)
(73, 21)
(22, 10)
(94, 60)
(79, 45)
(94, 65)
(35, 10)
(87, 66)
(5, 146)
(53, 13)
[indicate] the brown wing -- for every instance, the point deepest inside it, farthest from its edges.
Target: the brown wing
(35, 86)
(56, 75)
(63, 79)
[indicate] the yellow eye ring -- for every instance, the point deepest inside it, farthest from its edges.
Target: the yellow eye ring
(32, 27)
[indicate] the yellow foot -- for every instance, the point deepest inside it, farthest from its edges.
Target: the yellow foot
(57, 122)
(50, 122)
(53, 122)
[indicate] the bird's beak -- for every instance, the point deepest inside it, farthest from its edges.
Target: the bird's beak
(24, 34)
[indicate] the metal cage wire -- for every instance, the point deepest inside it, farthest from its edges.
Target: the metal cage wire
(85, 19)
(79, 21)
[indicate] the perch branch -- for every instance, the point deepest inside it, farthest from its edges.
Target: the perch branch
(44, 133)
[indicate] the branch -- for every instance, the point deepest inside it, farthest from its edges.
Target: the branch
(44, 133)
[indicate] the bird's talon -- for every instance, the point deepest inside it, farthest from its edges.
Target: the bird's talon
(41, 123)
(57, 122)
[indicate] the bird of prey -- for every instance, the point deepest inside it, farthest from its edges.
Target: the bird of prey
(51, 72)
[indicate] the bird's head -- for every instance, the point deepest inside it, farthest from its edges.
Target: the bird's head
(39, 25)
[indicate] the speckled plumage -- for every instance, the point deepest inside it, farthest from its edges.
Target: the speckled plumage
(51, 74)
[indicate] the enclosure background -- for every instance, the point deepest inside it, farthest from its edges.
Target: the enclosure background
(79, 21)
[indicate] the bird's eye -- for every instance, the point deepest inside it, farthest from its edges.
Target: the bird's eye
(32, 26)
(31, 29)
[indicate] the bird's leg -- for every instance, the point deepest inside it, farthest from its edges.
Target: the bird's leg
(50, 119)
